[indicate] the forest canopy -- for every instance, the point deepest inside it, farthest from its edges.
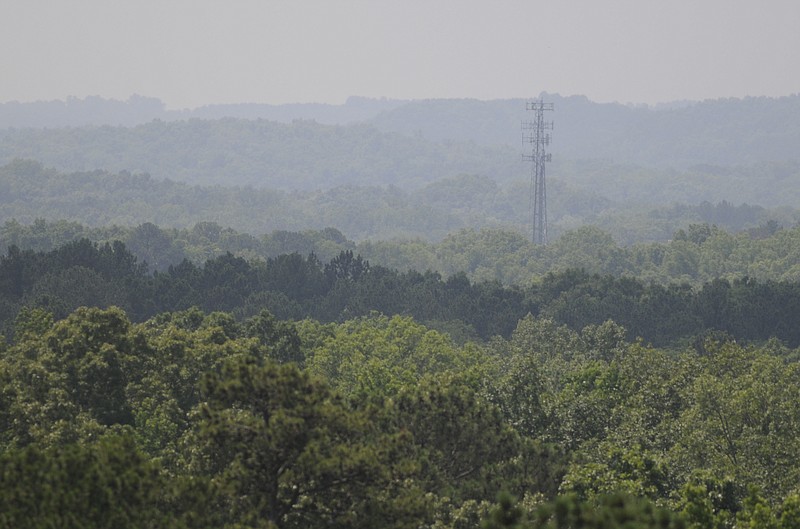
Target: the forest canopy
(241, 318)
(442, 207)
(196, 419)
(293, 286)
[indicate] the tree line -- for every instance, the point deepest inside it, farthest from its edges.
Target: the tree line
(698, 254)
(293, 286)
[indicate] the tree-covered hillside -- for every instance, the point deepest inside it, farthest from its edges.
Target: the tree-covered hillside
(100, 198)
(724, 132)
(28, 191)
(259, 153)
(306, 156)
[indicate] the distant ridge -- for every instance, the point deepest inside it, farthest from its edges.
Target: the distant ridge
(721, 132)
(138, 110)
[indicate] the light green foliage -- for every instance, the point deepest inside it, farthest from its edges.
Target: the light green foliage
(31, 323)
(742, 418)
(68, 379)
(489, 254)
(176, 351)
(612, 468)
(377, 356)
(90, 350)
(640, 420)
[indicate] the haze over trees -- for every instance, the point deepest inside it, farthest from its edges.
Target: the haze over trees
(415, 169)
(721, 132)
(307, 316)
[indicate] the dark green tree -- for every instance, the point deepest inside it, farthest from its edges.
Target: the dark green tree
(285, 452)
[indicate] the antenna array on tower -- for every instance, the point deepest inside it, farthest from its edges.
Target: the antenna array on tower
(536, 133)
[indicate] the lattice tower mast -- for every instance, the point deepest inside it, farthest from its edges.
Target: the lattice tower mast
(536, 133)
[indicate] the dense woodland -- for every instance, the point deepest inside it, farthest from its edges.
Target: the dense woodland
(699, 254)
(234, 318)
(608, 157)
(292, 286)
(196, 419)
(100, 199)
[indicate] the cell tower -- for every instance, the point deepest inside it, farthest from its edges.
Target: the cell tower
(536, 133)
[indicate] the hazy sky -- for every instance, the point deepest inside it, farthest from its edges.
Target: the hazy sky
(190, 53)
